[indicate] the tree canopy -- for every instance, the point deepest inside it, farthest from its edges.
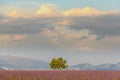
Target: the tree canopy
(58, 63)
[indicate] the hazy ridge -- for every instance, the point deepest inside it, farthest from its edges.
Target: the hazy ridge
(24, 63)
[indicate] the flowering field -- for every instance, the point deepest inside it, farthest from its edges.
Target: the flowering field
(60, 75)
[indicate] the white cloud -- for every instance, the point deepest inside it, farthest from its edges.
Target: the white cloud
(67, 38)
(50, 27)
(87, 11)
(12, 39)
(47, 10)
(50, 10)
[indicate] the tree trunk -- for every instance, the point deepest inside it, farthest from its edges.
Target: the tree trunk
(59, 69)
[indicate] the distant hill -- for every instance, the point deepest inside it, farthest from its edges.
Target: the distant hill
(87, 66)
(24, 63)
(84, 66)
(21, 63)
(3, 68)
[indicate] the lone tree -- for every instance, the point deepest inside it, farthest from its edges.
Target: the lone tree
(58, 63)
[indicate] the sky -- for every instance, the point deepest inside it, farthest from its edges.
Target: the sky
(81, 31)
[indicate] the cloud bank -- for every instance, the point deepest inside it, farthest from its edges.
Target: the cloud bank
(84, 29)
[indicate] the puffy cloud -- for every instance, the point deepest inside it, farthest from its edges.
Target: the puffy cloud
(80, 40)
(26, 25)
(64, 22)
(12, 39)
(84, 32)
(50, 10)
(67, 38)
(65, 33)
(17, 14)
(19, 37)
(87, 11)
(47, 10)
(14, 13)
(101, 25)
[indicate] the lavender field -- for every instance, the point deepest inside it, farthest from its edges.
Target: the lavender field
(60, 75)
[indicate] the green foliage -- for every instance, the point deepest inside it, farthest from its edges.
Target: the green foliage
(58, 63)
